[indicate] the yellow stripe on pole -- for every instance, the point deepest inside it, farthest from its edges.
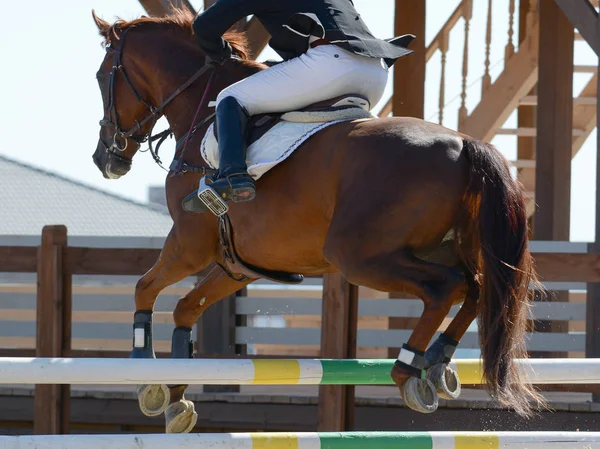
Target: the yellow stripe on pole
(273, 372)
(280, 441)
(466, 441)
(469, 371)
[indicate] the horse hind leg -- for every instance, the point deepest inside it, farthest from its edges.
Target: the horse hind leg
(180, 415)
(439, 287)
(440, 353)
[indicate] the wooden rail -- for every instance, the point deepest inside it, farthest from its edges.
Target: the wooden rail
(55, 261)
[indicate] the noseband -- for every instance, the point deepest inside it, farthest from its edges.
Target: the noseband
(154, 112)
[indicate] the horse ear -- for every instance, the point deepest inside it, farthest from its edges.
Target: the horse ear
(103, 25)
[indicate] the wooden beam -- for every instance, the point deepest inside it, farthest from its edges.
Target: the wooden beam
(110, 260)
(553, 146)
(53, 329)
(532, 100)
(18, 259)
(592, 328)
(526, 115)
(555, 117)
(586, 68)
(164, 7)
(409, 90)
(258, 37)
(530, 132)
(584, 113)
(502, 97)
(409, 71)
(584, 17)
(338, 341)
(561, 267)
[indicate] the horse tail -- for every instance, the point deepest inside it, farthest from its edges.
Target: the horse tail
(493, 240)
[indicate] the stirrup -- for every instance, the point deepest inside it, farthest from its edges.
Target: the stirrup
(211, 199)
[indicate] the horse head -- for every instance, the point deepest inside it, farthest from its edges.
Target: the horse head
(146, 61)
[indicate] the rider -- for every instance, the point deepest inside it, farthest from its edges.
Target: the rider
(328, 51)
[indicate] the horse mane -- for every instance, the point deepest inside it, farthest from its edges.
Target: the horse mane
(180, 19)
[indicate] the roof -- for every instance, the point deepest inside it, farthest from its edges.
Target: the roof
(31, 198)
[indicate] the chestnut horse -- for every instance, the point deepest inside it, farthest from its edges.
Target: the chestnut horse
(378, 200)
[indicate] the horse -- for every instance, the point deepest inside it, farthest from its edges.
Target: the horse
(393, 204)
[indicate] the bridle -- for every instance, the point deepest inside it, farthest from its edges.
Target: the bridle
(154, 112)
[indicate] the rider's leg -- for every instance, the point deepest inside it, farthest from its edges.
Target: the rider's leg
(321, 73)
(232, 182)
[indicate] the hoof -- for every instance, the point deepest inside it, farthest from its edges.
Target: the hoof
(153, 399)
(445, 380)
(420, 395)
(181, 417)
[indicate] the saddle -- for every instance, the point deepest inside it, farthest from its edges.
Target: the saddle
(344, 106)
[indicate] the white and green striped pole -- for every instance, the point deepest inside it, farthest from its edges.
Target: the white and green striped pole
(264, 372)
(333, 440)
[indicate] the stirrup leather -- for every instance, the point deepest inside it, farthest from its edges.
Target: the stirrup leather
(211, 199)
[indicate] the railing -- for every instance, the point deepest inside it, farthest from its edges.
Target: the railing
(276, 318)
(70, 320)
(442, 44)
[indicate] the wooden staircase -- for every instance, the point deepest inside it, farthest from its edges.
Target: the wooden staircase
(511, 89)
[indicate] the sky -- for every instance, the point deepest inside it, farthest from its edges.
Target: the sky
(51, 103)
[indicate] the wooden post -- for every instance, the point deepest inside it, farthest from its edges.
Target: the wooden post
(554, 141)
(216, 335)
(51, 402)
(526, 114)
(592, 325)
(409, 96)
(409, 71)
(338, 341)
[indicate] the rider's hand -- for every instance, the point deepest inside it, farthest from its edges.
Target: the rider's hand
(218, 59)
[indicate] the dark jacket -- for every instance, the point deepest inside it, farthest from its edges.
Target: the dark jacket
(290, 22)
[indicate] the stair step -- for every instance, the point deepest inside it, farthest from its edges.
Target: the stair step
(529, 132)
(586, 68)
(532, 100)
(523, 163)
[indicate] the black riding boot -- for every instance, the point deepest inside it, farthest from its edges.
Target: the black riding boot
(232, 181)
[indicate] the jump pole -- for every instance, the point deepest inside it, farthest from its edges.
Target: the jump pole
(263, 372)
(333, 440)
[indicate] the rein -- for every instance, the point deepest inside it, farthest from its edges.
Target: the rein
(179, 166)
(152, 118)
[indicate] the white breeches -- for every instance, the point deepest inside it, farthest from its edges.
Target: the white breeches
(321, 73)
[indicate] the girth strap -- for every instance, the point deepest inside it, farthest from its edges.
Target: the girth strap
(240, 271)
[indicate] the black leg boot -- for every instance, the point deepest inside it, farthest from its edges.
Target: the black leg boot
(232, 182)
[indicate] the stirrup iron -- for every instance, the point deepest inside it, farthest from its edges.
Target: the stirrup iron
(211, 199)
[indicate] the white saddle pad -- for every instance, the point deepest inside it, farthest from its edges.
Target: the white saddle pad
(271, 149)
(279, 142)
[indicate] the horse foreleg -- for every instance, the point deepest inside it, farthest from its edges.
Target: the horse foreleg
(176, 262)
(180, 414)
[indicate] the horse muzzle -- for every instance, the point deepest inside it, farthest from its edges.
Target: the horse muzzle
(111, 164)
(116, 166)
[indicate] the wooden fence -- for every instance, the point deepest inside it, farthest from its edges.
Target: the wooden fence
(63, 319)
